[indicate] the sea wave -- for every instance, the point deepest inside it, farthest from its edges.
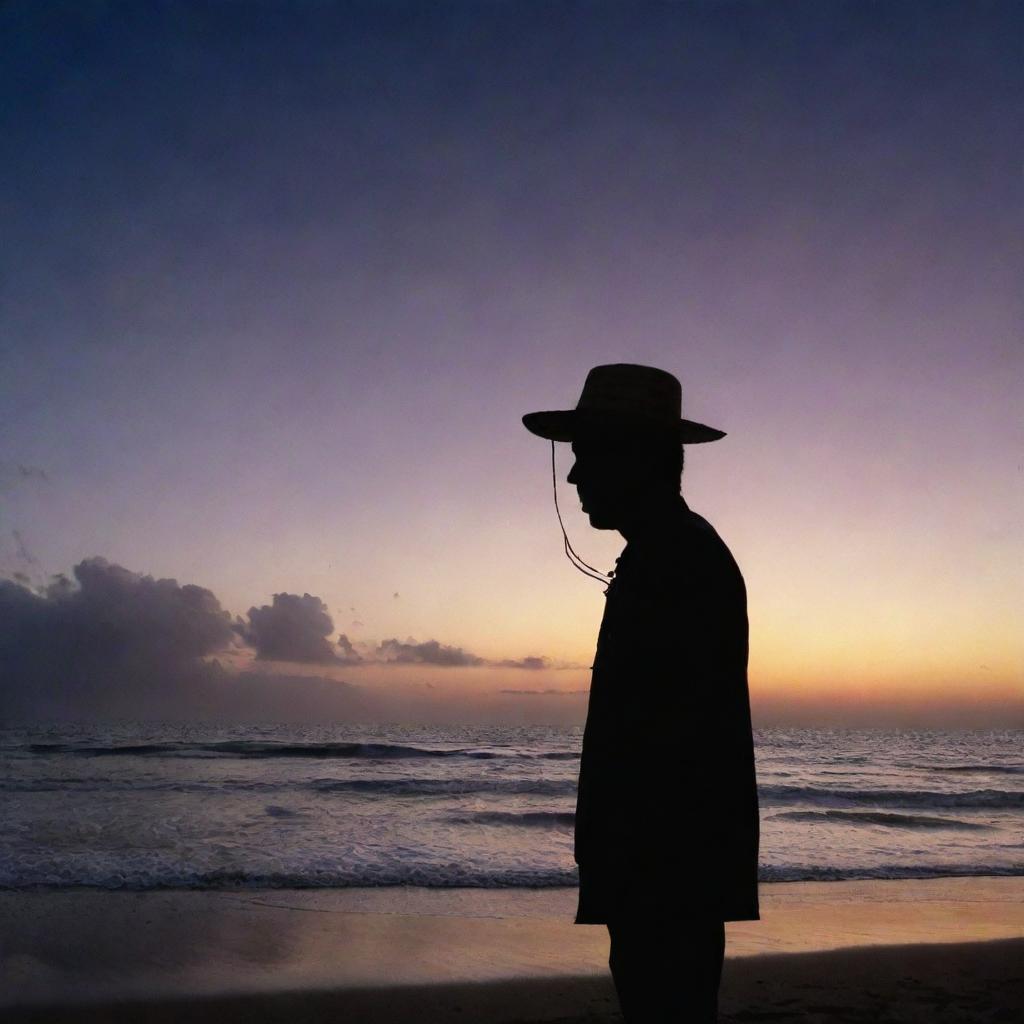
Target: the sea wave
(879, 818)
(446, 787)
(994, 798)
(825, 873)
(447, 876)
(401, 787)
(146, 877)
(529, 819)
(267, 749)
(770, 795)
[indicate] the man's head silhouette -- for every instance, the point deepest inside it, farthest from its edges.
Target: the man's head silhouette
(627, 433)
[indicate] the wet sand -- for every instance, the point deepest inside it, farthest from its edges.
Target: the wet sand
(938, 950)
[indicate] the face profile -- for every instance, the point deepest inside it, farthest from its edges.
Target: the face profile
(601, 474)
(619, 477)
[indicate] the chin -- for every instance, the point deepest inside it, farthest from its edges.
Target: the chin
(600, 522)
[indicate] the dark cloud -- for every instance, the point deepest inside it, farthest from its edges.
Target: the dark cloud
(112, 643)
(430, 652)
(18, 561)
(348, 655)
(293, 628)
(531, 662)
(111, 640)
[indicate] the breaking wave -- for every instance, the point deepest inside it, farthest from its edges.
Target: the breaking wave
(995, 798)
(879, 818)
(968, 769)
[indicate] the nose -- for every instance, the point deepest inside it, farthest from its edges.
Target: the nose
(572, 478)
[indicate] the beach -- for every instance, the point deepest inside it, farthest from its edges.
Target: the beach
(875, 950)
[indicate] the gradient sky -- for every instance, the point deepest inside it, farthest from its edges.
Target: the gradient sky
(279, 280)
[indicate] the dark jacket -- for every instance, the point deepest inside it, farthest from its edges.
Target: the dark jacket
(666, 812)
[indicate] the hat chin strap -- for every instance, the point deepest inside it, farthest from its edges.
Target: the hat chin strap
(570, 553)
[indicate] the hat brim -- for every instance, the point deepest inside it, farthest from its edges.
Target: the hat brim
(571, 424)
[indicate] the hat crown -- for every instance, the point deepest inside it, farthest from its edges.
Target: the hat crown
(629, 389)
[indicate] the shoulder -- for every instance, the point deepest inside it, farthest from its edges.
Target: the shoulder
(692, 556)
(696, 541)
(704, 541)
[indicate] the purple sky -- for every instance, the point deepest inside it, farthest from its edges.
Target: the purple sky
(279, 281)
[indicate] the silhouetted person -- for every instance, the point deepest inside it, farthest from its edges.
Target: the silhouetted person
(666, 833)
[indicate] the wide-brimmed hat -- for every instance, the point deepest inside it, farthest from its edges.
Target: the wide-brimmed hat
(621, 398)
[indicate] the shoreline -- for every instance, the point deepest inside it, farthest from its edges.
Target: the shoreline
(73, 948)
(970, 983)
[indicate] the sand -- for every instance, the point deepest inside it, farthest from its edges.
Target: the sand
(938, 950)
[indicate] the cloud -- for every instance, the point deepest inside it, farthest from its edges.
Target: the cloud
(430, 652)
(112, 643)
(109, 640)
(106, 642)
(531, 662)
(296, 629)
(349, 655)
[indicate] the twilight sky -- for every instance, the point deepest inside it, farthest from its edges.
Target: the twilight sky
(279, 280)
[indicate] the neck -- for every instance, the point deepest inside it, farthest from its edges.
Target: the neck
(653, 517)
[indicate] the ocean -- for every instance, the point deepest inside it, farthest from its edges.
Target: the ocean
(148, 806)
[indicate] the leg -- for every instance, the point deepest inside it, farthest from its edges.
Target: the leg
(667, 971)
